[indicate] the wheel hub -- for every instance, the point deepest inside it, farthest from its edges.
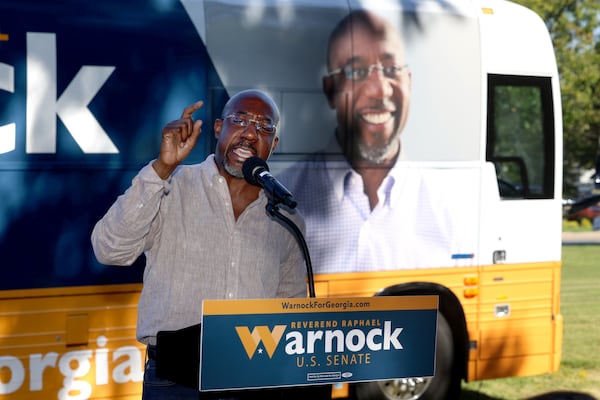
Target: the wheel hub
(405, 388)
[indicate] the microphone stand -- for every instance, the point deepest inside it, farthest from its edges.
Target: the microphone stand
(273, 210)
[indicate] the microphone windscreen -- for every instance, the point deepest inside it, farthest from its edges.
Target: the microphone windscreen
(250, 166)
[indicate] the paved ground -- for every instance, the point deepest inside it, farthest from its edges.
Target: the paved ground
(589, 237)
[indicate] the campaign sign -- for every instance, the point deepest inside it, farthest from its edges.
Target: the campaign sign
(293, 342)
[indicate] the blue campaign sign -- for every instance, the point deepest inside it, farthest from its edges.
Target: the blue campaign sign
(292, 342)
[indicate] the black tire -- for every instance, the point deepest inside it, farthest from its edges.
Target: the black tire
(440, 387)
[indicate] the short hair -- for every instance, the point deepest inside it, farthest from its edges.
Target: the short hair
(256, 94)
(372, 22)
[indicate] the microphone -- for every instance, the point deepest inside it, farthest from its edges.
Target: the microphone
(256, 172)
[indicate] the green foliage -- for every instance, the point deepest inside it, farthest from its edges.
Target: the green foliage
(574, 226)
(574, 26)
(519, 131)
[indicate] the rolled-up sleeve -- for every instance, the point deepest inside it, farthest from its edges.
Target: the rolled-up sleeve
(131, 224)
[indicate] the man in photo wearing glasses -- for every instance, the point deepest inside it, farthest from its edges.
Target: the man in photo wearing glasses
(365, 211)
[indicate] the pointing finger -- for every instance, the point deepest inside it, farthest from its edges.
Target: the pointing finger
(189, 110)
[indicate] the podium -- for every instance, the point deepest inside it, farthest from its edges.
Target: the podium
(251, 344)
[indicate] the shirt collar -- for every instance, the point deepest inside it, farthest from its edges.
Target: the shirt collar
(340, 172)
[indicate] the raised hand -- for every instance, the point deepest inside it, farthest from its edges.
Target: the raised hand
(178, 139)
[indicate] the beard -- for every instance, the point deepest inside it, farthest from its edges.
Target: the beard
(378, 154)
(232, 170)
(235, 172)
(356, 149)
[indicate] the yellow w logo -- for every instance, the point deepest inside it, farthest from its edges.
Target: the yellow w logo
(270, 339)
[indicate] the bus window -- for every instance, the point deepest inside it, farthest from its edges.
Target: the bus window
(521, 136)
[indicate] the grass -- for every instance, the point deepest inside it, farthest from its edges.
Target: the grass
(580, 366)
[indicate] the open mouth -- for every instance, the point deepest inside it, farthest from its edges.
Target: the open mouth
(377, 118)
(242, 153)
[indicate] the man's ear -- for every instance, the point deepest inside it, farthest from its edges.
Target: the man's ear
(217, 127)
(274, 145)
(329, 90)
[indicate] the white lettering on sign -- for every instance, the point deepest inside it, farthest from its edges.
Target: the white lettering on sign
(74, 366)
(71, 107)
(43, 105)
(355, 340)
(7, 132)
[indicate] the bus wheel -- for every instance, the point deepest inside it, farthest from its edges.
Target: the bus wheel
(436, 388)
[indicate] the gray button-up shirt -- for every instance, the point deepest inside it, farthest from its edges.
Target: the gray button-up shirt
(194, 247)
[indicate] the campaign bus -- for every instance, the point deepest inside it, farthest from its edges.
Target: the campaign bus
(469, 212)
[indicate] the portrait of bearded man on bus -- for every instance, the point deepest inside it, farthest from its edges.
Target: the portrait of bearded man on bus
(367, 211)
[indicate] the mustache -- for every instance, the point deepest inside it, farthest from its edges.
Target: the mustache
(244, 144)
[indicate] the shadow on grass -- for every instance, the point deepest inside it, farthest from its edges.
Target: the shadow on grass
(563, 396)
(560, 395)
(472, 395)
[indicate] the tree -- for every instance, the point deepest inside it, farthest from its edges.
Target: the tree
(574, 27)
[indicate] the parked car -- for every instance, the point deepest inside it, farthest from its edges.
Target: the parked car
(586, 208)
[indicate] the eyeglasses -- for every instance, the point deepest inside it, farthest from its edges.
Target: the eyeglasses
(358, 74)
(262, 126)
